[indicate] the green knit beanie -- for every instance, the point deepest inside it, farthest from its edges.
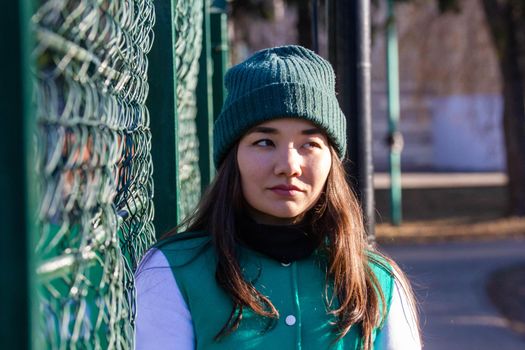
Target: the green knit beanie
(279, 82)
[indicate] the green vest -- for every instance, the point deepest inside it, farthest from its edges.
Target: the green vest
(297, 291)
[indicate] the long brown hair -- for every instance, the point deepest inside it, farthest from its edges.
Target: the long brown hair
(355, 288)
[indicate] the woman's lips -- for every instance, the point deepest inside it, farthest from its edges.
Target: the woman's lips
(285, 190)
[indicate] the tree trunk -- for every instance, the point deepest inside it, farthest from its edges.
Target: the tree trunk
(506, 19)
(304, 23)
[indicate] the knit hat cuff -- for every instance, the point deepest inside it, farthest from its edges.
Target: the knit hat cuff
(280, 100)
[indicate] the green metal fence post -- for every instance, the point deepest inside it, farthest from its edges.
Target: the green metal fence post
(30, 176)
(219, 44)
(17, 300)
(395, 137)
(205, 102)
(163, 123)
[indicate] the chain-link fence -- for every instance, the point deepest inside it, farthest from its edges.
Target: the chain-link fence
(188, 29)
(94, 166)
(94, 163)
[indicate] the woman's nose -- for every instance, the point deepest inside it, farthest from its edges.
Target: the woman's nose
(289, 163)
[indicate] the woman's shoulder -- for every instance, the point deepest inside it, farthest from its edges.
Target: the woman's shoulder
(183, 241)
(179, 249)
(380, 264)
(184, 247)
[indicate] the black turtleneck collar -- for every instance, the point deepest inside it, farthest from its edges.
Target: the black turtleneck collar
(284, 243)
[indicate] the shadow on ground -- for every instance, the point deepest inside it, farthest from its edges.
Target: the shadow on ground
(506, 289)
(448, 213)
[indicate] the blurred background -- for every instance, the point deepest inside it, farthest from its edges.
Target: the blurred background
(111, 105)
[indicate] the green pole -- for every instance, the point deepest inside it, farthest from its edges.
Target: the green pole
(395, 137)
(205, 102)
(163, 122)
(32, 200)
(213, 63)
(220, 52)
(17, 208)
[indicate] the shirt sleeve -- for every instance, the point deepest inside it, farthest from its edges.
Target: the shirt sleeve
(163, 320)
(400, 331)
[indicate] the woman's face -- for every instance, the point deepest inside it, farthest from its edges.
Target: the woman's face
(284, 165)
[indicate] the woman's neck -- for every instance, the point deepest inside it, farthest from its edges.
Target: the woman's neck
(265, 219)
(282, 242)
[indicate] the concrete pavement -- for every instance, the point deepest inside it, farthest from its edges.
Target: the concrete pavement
(450, 281)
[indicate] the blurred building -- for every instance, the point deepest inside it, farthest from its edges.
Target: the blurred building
(451, 106)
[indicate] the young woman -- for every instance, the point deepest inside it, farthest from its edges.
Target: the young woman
(275, 255)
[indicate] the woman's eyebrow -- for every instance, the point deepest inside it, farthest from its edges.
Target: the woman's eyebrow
(313, 131)
(264, 130)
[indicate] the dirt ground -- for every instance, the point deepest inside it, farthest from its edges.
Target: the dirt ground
(461, 213)
(448, 213)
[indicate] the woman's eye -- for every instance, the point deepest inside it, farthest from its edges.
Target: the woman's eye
(263, 143)
(312, 144)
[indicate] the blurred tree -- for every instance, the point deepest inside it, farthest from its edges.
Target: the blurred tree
(304, 22)
(506, 22)
(259, 8)
(264, 9)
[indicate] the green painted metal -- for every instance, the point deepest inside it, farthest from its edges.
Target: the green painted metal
(205, 106)
(174, 76)
(220, 55)
(20, 316)
(188, 26)
(30, 193)
(395, 138)
(164, 122)
(219, 4)
(16, 298)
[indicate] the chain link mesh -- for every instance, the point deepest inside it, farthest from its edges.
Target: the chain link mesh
(188, 28)
(94, 167)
